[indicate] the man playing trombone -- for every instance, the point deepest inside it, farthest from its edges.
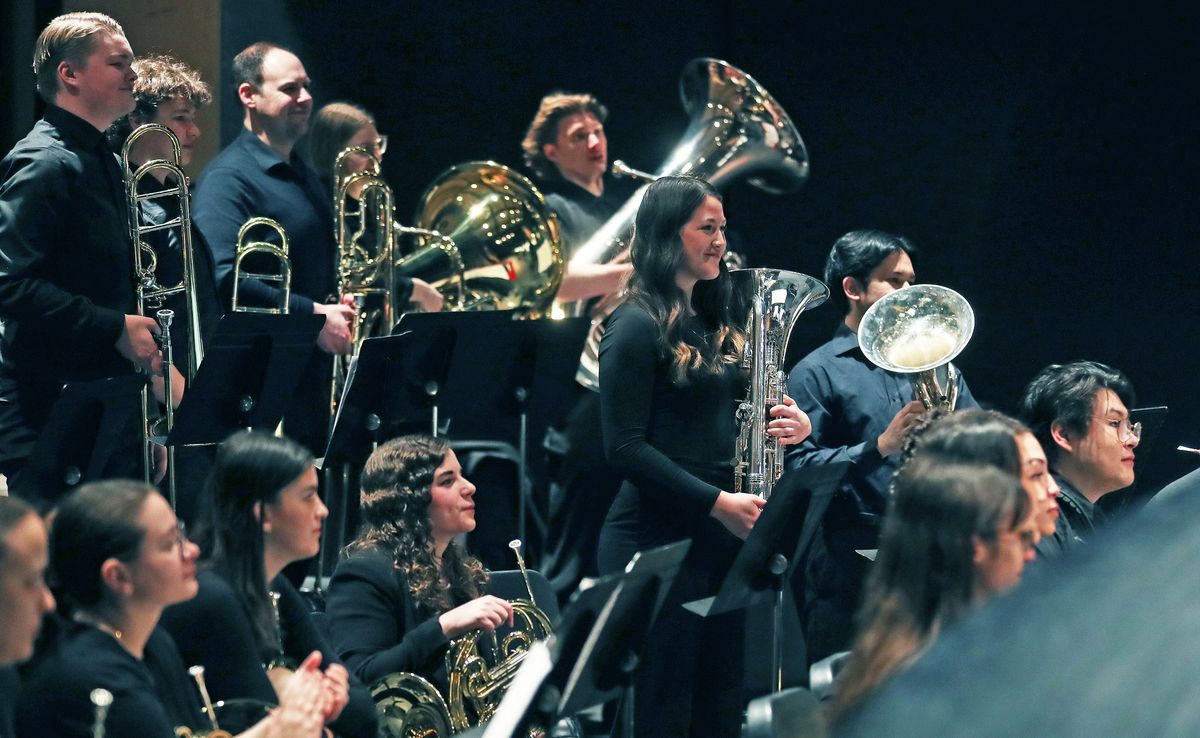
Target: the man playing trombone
(67, 301)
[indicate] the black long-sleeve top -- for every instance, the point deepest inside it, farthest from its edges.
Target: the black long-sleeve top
(375, 624)
(670, 441)
(66, 270)
(214, 630)
(850, 402)
(151, 696)
(250, 179)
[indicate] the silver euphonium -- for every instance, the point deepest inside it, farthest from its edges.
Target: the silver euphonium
(919, 330)
(771, 300)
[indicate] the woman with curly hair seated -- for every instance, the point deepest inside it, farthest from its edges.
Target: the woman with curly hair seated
(405, 588)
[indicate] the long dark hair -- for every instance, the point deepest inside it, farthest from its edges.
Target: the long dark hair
(251, 469)
(394, 513)
(657, 254)
(924, 577)
(97, 522)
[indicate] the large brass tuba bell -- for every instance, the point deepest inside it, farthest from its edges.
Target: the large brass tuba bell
(919, 330)
(507, 238)
(737, 131)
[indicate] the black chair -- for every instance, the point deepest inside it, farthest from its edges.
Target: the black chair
(792, 713)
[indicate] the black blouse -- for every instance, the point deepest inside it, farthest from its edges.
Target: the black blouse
(375, 624)
(214, 629)
(662, 435)
(151, 696)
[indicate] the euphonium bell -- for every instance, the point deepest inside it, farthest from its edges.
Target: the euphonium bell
(769, 301)
(919, 330)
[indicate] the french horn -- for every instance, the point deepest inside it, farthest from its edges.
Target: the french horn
(919, 330)
(480, 667)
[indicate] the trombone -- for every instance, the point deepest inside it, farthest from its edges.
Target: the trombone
(279, 253)
(151, 294)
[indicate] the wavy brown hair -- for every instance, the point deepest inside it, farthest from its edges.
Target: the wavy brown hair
(394, 510)
(657, 253)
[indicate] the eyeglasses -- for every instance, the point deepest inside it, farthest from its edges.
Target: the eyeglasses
(1126, 431)
(381, 144)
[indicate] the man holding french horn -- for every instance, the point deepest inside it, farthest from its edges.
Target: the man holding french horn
(860, 413)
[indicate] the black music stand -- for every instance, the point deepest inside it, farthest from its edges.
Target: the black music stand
(596, 645)
(248, 376)
(82, 432)
(765, 561)
(539, 382)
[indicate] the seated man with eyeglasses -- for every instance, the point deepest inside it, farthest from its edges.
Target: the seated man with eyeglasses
(1080, 413)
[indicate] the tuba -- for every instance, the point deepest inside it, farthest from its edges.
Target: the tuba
(770, 300)
(919, 330)
(508, 240)
(480, 667)
(737, 131)
(151, 294)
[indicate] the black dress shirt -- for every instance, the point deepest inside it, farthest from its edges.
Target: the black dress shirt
(250, 179)
(850, 402)
(66, 271)
(1077, 522)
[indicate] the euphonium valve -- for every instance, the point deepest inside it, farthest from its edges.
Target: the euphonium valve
(919, 330)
